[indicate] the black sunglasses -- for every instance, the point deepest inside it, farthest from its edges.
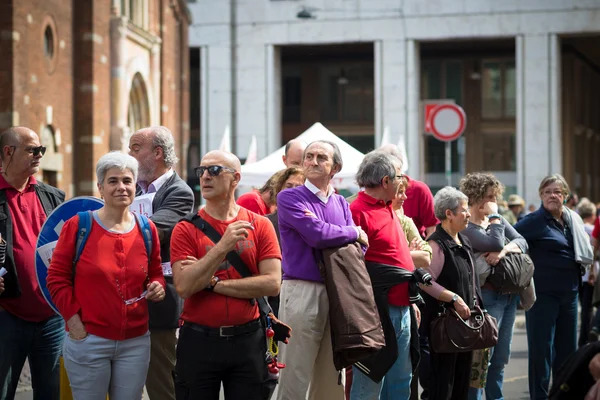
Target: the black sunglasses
(213, 170)
(36, 151)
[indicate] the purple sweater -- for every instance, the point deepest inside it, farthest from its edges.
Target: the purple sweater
(301, 234)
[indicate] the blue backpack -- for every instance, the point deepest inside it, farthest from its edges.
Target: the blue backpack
(85, 226)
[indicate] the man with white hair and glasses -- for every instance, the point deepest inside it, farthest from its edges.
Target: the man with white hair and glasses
(165, 198)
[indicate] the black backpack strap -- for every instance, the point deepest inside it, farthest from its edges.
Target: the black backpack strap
(233, 257)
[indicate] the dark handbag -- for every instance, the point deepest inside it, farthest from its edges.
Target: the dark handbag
(452, 334)
(512, 274)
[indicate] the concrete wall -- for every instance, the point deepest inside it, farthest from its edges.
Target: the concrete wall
(260, 26)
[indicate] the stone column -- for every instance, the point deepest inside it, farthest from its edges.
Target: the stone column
(538, 112)
(119, 129)
(274, 82)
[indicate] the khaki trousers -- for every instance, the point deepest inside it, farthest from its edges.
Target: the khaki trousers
(309, 357)
(159, 382)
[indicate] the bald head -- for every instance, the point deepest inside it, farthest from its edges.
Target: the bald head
(224, 158)
(15, 136)
(294, 152)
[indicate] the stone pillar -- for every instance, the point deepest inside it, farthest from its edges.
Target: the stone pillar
(274, 82)
(538, 112)
(155, 86)
(119, 129)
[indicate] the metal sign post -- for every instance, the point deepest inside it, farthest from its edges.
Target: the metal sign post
(448, 163)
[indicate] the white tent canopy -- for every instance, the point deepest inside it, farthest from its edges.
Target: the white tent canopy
(258, 173)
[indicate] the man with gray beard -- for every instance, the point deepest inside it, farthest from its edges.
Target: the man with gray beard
(170, 199)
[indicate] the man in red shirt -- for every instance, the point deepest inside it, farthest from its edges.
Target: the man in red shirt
(221, 340)
(28, 326)
(379, 173)
(419, 200)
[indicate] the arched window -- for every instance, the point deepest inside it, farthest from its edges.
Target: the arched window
(138, 113)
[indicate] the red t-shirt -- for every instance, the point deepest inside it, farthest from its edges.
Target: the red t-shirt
(209, 308)
(387, 241)
(419, 205)
(28, 216)
(112, 268)
(253, 202)
(596, 230)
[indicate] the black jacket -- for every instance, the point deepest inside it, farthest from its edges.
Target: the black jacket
(50, 197)
(383, 278)
(172, 201)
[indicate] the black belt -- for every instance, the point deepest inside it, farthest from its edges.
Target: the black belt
(225, 331)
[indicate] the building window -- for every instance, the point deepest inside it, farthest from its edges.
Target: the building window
(348, 93)
(292, 98)
(138, 113)
(136, 11)
(48, 42)
(498, 89)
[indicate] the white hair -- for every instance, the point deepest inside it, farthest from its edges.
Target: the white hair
(447, 198)
(116, 159)
(163, 138)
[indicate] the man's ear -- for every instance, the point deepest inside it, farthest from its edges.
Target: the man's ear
(159, 153)
(236, 179)
(336, 168)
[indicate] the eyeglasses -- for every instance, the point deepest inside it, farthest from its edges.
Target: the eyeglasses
(142, 296)
(213, 170)
(36, 151)
(549, 193)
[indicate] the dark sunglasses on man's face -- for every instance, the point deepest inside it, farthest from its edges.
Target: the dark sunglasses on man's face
(36, 151)
(213, 170)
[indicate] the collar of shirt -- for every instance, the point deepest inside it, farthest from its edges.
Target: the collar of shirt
(373, 201)
(318, 192)
(5, 185)
(158, 182)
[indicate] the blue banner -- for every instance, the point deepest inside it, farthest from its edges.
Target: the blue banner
(50, 232)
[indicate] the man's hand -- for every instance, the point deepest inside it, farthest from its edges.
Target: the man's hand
(76, 328)
(417, 314)
(415, 244)
(155, 292)
(309, 213)
(235, 232)
(362, 237)
(495, 257)
(189, 260)
(1, 285)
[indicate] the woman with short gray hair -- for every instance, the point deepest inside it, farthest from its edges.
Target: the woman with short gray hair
(560, 250)
(453, 272)
(107, 348)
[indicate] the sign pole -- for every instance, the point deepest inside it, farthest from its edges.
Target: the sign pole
(448, 163)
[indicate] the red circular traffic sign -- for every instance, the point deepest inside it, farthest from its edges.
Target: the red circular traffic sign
(448, 122)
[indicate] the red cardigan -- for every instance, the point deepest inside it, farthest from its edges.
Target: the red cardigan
(99, 300)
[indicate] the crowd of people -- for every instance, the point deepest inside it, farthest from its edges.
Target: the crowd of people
(174, 300)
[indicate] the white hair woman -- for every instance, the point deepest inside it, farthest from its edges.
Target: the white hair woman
(453, 272)
(107, 349)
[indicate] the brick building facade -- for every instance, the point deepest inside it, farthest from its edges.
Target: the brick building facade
(85, 74)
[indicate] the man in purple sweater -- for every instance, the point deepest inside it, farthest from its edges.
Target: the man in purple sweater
(311, 217)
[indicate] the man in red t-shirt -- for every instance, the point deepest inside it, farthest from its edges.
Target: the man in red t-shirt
(221, 340)
(28, 326)
(379, 173)
(419, 200)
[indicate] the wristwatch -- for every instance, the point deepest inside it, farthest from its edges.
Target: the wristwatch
(213, 282)
(454, 298)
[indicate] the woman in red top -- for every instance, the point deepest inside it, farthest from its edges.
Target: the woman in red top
(107, 349)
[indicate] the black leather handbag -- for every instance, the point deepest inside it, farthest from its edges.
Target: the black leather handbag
(452, 334)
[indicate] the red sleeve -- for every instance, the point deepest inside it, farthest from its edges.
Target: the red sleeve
(268, 245)
(155, 270)
(60, 272)
(596, 230)
(250, 202)
(183, 242)
(427, 210)
(358, 218)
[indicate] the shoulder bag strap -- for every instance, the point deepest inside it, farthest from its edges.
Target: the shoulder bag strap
(234, 258)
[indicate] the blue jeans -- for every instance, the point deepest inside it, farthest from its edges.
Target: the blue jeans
(41, 342)
(503, 307)
(551, 337)
(97, 366)
(396, 383)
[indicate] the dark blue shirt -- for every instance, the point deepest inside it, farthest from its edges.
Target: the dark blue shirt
(552, 251)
